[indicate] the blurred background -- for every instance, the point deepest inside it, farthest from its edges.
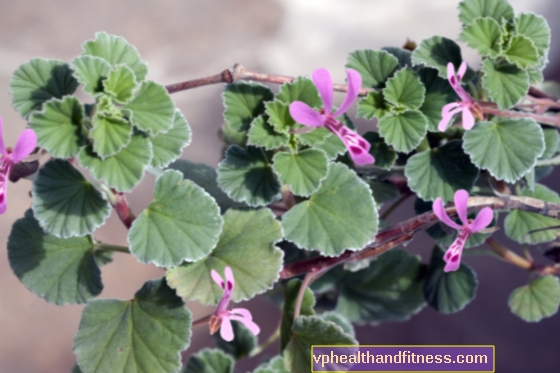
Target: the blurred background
(183, 40)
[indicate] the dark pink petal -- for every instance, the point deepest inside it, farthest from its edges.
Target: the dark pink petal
(461, 199)
(25, 144)
(226, 330)
(482, 220)
(354, 84)
(323, 81)
(462, 70)
(303, 114)
(468, 118)
(3, 197)
(451, 74)
(243, 312)
(229, 278)
(217, 279)
(2, 146)
(447, 113)
(254, 328)
(452, 256)
(440, 212)
(357, 146)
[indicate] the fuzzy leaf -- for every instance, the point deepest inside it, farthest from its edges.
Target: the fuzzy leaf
(302, 171)
(264, 135)
(209, 361)
(375, 66)
(385, 156)
(551, 142)
(151, 109)
(438, 94)
(437, 52)
(244, 102)
(279, 116)
(506, 84)
(110, 134)
(522, 52)
(291, 292)
(470, 10)
(120, 83)
(537, 300)
(484, 35)
(404, 130)
(90, 71)
(243, 343)
(168, 146)
(301, 89)
(405, 90)
(535, 28)
(373, 106)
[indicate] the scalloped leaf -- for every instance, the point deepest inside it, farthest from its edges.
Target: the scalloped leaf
(90, 71)
(65, 203)
(339, 320)
(495, 146)
(263, 134)
(302, 171)
(168, 146)
(404, 130)
(244, 102)
(122, 171)
(405, 90)
(246, 245)
(116, 50)
(470, 10)
(59, 127)
(551, 142)
(340, 216)
(291, 291)
(438, 94)
(209, 361)
(404, 56)
(437, 52)
(151, 109)
(535, 28)
(518, 223)
(120, 83)
(182, 223)
(145, 334)
(385, 156)
(375, 66)
(484, 35)
(110, 134)
(506, 84)
(522, 52)
(448, 292)
(274, 365)
(39, 80)
(300, 89)
(59, 270)
(309, 331)
(373, 106)
(441, 172)
(279, 116)
(537, 300)
(246, 176)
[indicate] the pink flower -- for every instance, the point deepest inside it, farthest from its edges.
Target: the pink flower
(453, 255)
(8, 158)
(302, 113)
(222, 316)
(467, 105)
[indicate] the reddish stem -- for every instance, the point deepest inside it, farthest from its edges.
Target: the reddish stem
(120, 204)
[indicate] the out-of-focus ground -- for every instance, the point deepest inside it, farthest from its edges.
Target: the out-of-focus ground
(184, 40)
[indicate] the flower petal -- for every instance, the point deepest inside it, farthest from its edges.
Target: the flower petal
(461, 71)
(25, 144)
(452, 256)
(254, 328)
(451, 73)
(3, 194)
(447, 112)
(461, 199)
(440, 212)
(354, 84)
(482, 220)
(217, 279)
(230, 281)
(468, 118)
(226, 330)
(2, 146)
(242, 312)
(323, 81)
(303, 114)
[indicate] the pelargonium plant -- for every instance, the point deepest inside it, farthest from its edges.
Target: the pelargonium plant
(299, 194)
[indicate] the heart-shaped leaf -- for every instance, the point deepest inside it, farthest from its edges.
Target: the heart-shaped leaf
(167, 146)
(302, 171)
(537, 300)
(405, 90)
(151, 109)
(375, 66)
(404, 130)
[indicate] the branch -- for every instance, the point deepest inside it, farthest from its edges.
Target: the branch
(544, 119)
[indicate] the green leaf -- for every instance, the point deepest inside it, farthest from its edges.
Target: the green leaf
(518, 223)
(275, 365)
(122, 171)
(537, 300)
(339, 320)
(246, 245)
(323, 139)
(373, 106)
(385, 156)
(120, 83)
(403, 55)
(291, 291)
(302, 171)
(522, 52)
(495, 147)
(182, 223)
(405, 90)
(551, 142)
(209, 361)
(470, 10)
(438, 94)
(244, 102)
(484, 35)
(145, 334)
(263, 134)
(383, 191)
(65, 203)
(441, 172)
(37, 81)
(301, 89)
(340, 216)
(506, 84)
(59, 270)
(390, 289)
(110, 134)
(279, 116)
(404, 130)
(242, 345)
(168, 146)
(375, 66)
(448, 292)
(535, 76)
(90, 71)
(58, 127)
(151, 109)
(535, 28)
(205, 176)
(437, 52)
(309, 331)
(116, 50)
(246, 176)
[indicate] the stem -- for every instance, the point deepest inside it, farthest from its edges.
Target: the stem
(301, 292)
(392, 208)
(273, 338)
(509, 256)
(288, 197)
(203, 320)
(107, 247)
(544, 119)
(223, 77)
